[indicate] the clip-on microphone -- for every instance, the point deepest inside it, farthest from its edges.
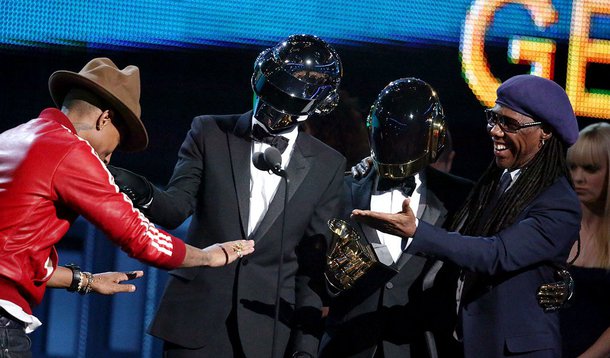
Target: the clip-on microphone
(271, 160)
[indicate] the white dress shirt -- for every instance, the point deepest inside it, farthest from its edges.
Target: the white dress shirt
(263, 185)
(391, 202)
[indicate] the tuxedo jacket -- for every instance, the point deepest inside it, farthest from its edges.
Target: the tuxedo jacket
(212, 181)
(500, 313)
(420, 298)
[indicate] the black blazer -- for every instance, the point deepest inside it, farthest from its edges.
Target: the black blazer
(420, 298)
(212, 181)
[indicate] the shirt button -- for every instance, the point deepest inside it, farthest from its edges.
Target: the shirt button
(389, 285)
(244, 262)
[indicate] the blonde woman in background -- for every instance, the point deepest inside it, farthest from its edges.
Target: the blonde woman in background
(586, 324)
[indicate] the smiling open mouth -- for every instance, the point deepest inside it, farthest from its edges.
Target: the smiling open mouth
(499, 147)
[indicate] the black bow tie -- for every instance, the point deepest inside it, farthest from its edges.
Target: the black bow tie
(277, 141)
(406, 186)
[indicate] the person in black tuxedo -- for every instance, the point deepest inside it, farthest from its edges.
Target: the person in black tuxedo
(413, 313)
(230, 312)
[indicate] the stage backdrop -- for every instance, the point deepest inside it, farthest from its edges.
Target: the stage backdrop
(196, 57)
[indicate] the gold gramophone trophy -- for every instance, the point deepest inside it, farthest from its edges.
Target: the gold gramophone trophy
(349, 260)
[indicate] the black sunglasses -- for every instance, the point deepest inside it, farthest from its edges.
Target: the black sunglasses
(505, 123)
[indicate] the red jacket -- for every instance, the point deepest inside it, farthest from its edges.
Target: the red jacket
(48, 176)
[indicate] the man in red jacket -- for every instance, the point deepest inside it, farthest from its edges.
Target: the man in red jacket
(52, 169)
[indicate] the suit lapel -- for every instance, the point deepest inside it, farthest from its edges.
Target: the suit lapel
(361, 199)
(403, 259)
(423, 211)
(430, 209)
(432, 212)
(298, 168)
(239, 151)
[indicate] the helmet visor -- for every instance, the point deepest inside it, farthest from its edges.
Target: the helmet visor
(399, 141)
(285, 102)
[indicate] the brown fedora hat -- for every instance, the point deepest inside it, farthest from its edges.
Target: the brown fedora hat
(119, 88)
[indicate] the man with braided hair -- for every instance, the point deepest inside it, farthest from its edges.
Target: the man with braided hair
(519, 221)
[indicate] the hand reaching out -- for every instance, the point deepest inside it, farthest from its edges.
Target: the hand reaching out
(222, 254)
(109, 283)
(217, 255)
(401, 224)
(135, 186)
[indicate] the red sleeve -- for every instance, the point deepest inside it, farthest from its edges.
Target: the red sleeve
(83, 183)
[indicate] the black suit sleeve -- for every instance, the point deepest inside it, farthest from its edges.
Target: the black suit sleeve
(171, 207)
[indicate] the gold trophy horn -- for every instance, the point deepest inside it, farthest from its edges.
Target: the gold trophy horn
(348, 258)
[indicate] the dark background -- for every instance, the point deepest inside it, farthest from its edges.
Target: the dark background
(180, 84)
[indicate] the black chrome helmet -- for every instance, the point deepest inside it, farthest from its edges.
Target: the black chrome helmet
(407, 128)
(295, 78)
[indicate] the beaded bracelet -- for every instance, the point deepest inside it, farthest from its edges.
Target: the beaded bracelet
(87, 288)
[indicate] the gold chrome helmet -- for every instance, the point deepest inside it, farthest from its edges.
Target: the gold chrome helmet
(407, 128)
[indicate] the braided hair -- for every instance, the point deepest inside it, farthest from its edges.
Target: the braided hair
(546, 167)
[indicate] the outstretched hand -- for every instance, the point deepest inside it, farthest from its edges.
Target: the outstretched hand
(109, 283)
(401, 224)
(222, 254)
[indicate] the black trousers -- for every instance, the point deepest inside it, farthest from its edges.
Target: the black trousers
(14, 343)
